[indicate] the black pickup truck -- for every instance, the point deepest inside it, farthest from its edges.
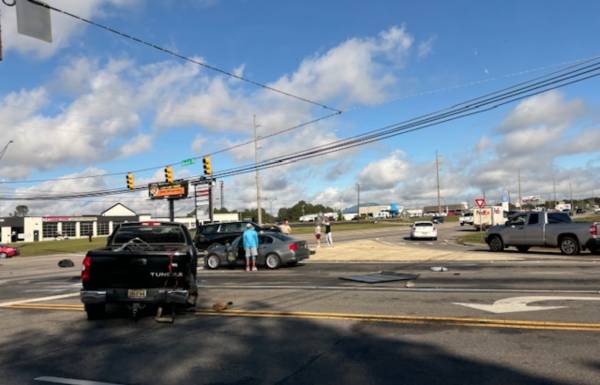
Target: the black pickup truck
(143, 263)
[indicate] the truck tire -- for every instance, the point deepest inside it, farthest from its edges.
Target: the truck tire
(523, 249)
(213, 261)
(95, 311)
(496, 244)
(569, 245)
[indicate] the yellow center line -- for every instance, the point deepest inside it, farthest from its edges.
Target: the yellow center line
(380, 318)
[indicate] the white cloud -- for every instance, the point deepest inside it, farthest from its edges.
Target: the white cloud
(384, 173)
(425, 48)
(198, 144)
(136, 145)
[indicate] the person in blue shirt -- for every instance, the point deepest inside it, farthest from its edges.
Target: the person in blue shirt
(250, 239)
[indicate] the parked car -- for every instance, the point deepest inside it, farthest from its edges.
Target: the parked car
(437, 219)
(8, 251)
(466, 219)
(213, 234)
(544, 229)
(274, 250)
(423, 230)
(143, 263)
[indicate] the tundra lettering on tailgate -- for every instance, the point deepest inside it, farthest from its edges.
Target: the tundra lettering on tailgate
(160, 274)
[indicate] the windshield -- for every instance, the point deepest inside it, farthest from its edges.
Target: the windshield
(149, 234)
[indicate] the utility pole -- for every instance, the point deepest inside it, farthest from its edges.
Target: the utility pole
(554, 191)
(519, 186)
(358, 200)
(222, 196)
(258, 208)
(437, 174)
(571, 197)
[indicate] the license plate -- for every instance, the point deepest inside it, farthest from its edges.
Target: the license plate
(136, 293)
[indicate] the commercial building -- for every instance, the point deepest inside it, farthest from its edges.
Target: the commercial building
(44, 228)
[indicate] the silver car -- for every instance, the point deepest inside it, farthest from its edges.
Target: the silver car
(274, 250)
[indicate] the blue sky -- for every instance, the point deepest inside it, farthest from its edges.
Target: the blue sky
(92, 102)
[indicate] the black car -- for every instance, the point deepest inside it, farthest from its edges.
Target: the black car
(437, 219)
(213, 234)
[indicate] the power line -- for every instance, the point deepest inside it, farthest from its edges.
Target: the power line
(470, 107)
(156, 167)
(185, 58)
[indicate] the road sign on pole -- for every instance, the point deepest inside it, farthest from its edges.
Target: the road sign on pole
(480, 202)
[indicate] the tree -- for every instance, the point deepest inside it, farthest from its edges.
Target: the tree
(302, 208)
(21, 211)
(222, 211)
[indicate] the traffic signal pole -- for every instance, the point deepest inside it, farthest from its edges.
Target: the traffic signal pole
(171, 210)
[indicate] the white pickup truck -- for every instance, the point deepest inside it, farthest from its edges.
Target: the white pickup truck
(544, 229)
(466, 218)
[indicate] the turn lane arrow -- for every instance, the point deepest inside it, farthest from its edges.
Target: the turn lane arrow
(518, 304)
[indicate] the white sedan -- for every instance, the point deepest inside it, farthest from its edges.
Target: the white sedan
(422, 230)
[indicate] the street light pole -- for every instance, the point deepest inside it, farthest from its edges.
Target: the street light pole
(358, 200)
(258, 206)
(437, 173)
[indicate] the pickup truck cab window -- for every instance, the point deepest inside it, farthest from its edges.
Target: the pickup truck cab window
(149, 234)
(534, 219)
(558, 218)
(518, 220)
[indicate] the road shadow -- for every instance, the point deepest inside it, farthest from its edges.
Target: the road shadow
(233, 350)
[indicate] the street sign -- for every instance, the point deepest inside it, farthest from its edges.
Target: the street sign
(187, 162)
(33, 20)
(480, 202)
(175, 190)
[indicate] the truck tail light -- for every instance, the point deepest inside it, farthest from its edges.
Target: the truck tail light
(85, 268)
(293, 247)
(594, 230)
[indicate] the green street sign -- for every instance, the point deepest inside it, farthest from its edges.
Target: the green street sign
(187, 162)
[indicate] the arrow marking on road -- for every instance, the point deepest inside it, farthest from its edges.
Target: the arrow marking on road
(518, 304)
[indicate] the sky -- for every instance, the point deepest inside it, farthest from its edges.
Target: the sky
(93, 103)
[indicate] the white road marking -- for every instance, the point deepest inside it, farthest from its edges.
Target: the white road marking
(39, 299)
(71, 381)
(519, 304)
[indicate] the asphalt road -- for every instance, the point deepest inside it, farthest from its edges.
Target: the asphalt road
(306, 325)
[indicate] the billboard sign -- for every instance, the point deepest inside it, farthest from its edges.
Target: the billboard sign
(162, 190)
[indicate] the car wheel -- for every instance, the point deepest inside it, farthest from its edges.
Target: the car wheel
(213, 261)
(435, 238)
(595, 251)
(272, 261)
(523, 249)
(3, 255)
(95, 311)
(569, 245)
(496, 244)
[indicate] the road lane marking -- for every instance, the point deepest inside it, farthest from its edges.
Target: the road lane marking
(520, 304)
(425, 320)
(396, 319)
(71, 381)
(39, 299)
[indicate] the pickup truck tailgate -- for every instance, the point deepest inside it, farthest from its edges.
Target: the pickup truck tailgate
(123, 269)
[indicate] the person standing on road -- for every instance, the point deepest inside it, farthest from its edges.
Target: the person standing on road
(285, 227)
(328, 236)
(318, 234)
(250, 239)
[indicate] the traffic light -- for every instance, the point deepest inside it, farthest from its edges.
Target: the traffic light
(169, 174)
(207, 166)
(130, 181)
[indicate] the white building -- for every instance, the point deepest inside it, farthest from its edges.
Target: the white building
(33, 229)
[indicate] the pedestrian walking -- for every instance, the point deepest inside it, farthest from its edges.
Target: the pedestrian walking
(285, 227)
(250, 239)
(328, 235)
(318, 234)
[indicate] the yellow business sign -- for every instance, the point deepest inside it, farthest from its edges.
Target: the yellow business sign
(175, 190)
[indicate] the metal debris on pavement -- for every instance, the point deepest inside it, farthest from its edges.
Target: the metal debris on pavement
(381, 277)
(438, 269)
